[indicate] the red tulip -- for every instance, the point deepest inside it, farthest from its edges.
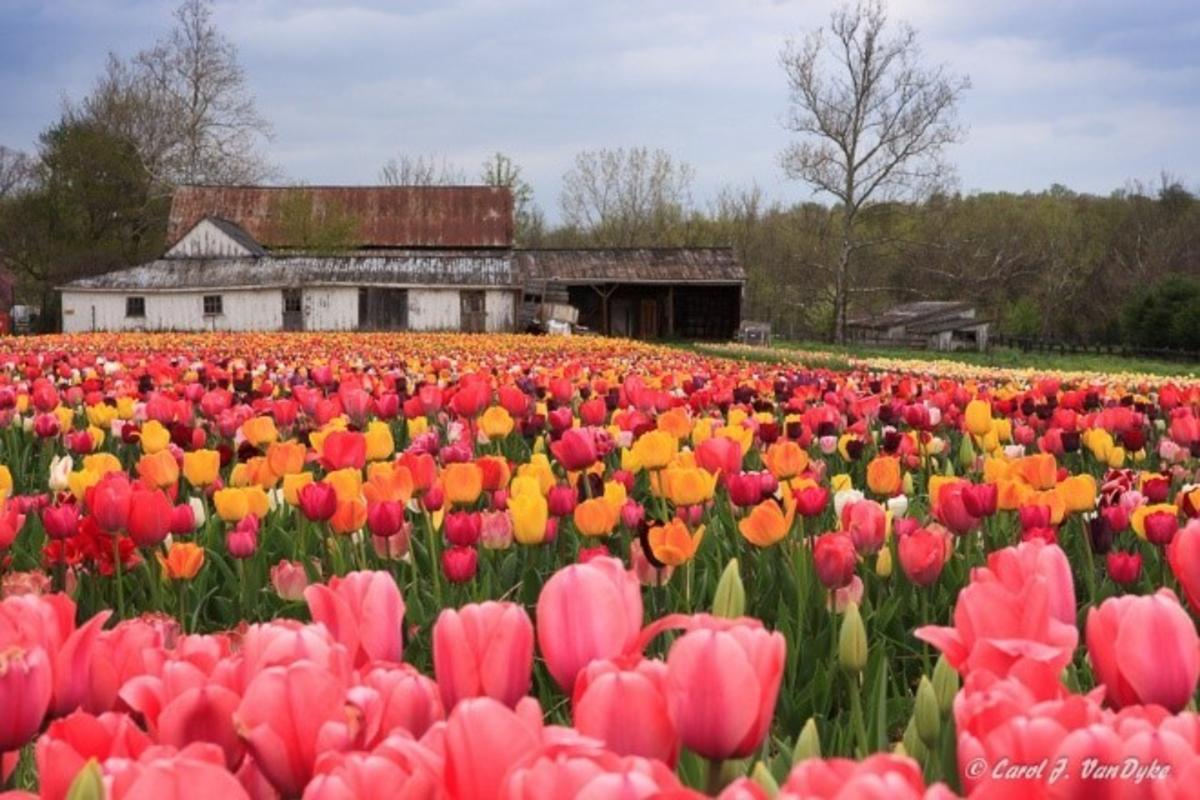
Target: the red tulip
(980, 499)
(25, 686)
(11, 522)
(483, 650)
(385, 518)
(745, 488)
(811, 500)
(514, 401)
(562, 500)
(149, 519)
(342, 449)
(950, 508)
(627, 709)
(61, 521)
(835, 559)
(866, 523)
(290, 715)
(1034, 516)
(109, 501)
(722, 683)
(1144, 650)
(1124, 568)
(364, 611)
(422, 467)
(584, 612)
(719, 455)
(318, 501)
(922, 555)
(460, 564)
(462, 528)
(1161, 527)
(575, 449)
(242, 540)
(183, 519)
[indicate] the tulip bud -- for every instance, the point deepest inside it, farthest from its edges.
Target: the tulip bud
(966, 454)
(730, 598)
(907, 484)
(808, 743)
(911, 742)
(883, 563)
(945, 684)
(763, 777)
(88, 783)
(852, 641)
(927, 713)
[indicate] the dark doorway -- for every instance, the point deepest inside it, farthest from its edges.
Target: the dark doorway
(381, 309)
(293, 309)
(473, 309)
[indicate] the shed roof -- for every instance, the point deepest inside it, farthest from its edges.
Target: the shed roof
(631, 265)
(924, 316)
(238, 234)
(397, 268)
(387, 216)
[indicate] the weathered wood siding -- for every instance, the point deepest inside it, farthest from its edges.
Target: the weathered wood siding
(331, 308)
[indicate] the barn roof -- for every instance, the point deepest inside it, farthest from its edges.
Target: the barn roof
(714, 265)
(238, 234)
(387, 216)
(396, 268)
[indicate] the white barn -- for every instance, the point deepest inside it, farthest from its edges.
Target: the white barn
(422, 258)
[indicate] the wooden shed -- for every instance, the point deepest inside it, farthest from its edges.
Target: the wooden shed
(644, 293)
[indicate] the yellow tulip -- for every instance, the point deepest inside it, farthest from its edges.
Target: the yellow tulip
(380, 444)
(232, 504)
(496, 423)
(201, 467)
(155, 437)
(529, 515)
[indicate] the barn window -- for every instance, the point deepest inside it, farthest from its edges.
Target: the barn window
(135, 306)
(212, 305)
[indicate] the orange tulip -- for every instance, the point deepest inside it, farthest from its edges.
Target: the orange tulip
(785, 459)
(159, 470)
(884, 476)
(388, 482)
(259, 431)
(286, 458)
(183, 561)
(463, 483)
(768, 523)
(350, 516)
(1039, 471)
(672, 545)
(596, 517)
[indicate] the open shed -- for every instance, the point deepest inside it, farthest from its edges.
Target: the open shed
(644, 293)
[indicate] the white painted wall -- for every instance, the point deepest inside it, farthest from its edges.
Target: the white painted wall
(326, 308)
(242, 310)
(206, 240)
(331, 308)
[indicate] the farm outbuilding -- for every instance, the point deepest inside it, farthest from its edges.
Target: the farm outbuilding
(931, 324)
(392, 258)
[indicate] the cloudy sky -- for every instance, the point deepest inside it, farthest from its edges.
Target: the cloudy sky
(1088, 93)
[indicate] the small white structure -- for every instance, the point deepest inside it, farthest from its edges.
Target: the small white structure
(930, 324)
(216, 276)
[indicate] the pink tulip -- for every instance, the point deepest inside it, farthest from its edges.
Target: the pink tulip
(834, 559)
(132, 649)
(1016, 566)
(195, 773)
(575, 449)
(719, 455)
(30, 621)
(722, 683)
(395, 698)
(878, 775)
(289, 580)
(25, 686)
(290, 715)
(483, 740)
(69, 743)
(364, 611)
(866, 523)
(1144, 650)
(584, 612)
(483, 650)
(627, 709)
(1183, 554)
(950, 507)
(923, 553)
(399, 769)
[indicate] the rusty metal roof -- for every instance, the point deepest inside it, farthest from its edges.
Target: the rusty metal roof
(387, 216)
(631, 265)
(923, 316)
(412, 268)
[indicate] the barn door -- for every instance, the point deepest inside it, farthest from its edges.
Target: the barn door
(649, 318)
(382, 309)
(293, 309)
(473, 310)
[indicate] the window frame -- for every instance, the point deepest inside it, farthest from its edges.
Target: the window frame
(130, 301)
(220, 305)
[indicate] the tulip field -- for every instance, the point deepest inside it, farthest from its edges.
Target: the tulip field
(496, 566)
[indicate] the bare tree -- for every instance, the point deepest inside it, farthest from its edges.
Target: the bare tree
(626, 197)
(873, 123)
(500, 170)
(16, 172)
(185, 104)
(409, 170)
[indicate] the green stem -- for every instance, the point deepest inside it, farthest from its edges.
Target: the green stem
(714, 782)
(434, 565)
(117, 577)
